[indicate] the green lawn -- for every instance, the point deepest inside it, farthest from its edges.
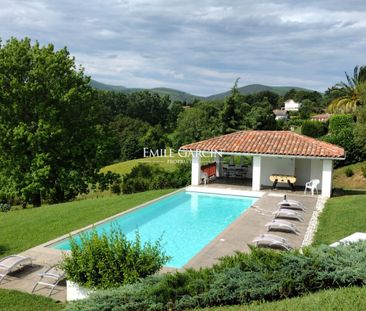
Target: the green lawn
(11, 300)
(341, 217)
(22, 229)
(352, 298)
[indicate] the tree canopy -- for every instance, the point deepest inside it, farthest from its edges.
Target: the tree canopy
(49, 141)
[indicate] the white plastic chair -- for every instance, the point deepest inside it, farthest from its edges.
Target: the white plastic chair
(312, 185)
(204, 177)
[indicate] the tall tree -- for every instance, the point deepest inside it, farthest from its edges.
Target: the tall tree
(349, 93)
(229, 117)
(48, 134)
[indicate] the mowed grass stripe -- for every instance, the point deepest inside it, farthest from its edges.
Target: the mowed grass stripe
(352, 298)
(341, 217)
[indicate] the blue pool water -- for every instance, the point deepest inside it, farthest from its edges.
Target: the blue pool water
(186, 221)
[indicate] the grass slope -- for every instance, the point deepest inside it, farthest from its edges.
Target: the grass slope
(357, 181)
(126, 166)
(352, 298)
(23, 229)
(11, 300)
(341, 217)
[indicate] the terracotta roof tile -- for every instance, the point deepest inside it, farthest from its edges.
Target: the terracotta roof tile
(269, 142)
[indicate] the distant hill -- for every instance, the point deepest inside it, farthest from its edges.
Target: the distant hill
(107, 87)
(256, 88)
(177, 95)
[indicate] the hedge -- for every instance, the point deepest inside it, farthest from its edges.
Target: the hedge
(262, 275)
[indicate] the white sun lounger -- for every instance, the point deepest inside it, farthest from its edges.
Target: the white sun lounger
(272, 241)
(282, 225)
(10, 263)
(50, 278)
(291, 204)
(287, 213)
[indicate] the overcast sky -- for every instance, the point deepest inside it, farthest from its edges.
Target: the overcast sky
(196, 46)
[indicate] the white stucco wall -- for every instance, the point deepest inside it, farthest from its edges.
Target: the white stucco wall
(257, 165)
(302, 171)
(196, 170)
(316, 171)
(272, 165)
(327, 178)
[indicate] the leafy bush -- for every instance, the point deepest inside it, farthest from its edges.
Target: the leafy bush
(145, 177)
(295, 121)
(106, 261)
(363, 170)
(313, 128)
(339, 122)
(109, 181)
(262, 275)
(5, 207)
(348, 172)
(345, 138)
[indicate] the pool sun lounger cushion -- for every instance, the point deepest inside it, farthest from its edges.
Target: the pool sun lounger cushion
(291, 204)
(272, 241)
(10, 263)
(281, 225)
(288, 213)
(50, 278)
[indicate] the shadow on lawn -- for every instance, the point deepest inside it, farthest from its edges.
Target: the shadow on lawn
(339, 192)
(3, 249)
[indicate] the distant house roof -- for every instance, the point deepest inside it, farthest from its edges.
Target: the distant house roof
(280, 112)
(283, 143)
(321, 117)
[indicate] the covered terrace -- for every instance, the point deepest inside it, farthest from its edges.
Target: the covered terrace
(274, 153)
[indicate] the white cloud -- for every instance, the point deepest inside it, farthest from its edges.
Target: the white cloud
(199, 47)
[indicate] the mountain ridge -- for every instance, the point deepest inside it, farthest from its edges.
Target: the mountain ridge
(177, 95)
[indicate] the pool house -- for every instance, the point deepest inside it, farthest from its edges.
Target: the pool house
(277, 158)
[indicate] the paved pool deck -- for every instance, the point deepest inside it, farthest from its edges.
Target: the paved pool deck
(236, 237)
(250, 224)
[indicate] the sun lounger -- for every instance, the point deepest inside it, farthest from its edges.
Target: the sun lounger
(50, 278)
(281, 225)
(287, 213)
(291, 204)
(10, 263)
(272, 241)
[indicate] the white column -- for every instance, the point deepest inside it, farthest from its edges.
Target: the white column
(218, 160)
(196, 169)
(256, 173)
(327, 177)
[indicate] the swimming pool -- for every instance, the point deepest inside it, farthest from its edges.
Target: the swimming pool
(186, 221)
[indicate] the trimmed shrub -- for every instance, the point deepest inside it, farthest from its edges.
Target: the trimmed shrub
(313, 128)
(348, 172)
(106, 261)
(339, 122)
(5, 207)
(262, 275)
